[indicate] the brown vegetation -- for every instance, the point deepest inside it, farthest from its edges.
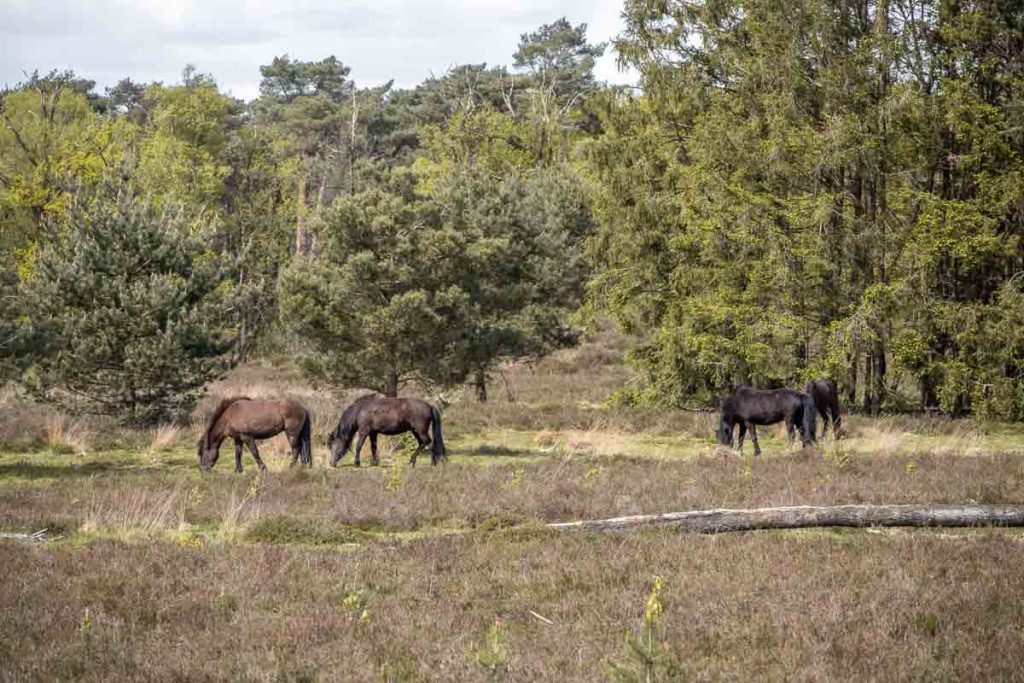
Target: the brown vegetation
(164, 573)
(760, 605)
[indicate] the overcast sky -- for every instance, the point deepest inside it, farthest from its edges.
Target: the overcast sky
(147, 40)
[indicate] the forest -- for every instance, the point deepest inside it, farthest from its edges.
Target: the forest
(794, 190)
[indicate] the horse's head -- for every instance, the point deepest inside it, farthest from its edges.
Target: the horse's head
(724, 431)
(207, 455)
(337, 446)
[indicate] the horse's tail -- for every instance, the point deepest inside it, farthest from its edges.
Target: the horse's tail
(305, 441)
(837, 421)
(810, 418)
(437, 449)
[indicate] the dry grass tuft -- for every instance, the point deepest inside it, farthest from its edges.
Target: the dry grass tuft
(882, 438)
(135, 512)
(546, 439)
(966, 439)
(241, 508)
(66, 435)
(8, 395)
(164, 438)
(578, 446)
(724, 452)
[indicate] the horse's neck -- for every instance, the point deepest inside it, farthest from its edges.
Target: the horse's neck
(217, 435)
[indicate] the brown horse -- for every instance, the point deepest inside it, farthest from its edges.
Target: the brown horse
(372, 414)
(246, 420)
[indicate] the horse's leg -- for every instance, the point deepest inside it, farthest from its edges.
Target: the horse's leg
(419, 447)
(423, 439)
(359, 447)
(295, 444)
(250, 442)
(753, 437)
(238, 454)
(374, 460)
(743, 436)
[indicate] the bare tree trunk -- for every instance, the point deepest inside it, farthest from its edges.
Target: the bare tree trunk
(300, 233)
(868, 374)
(243, 328)
(242, 339)
(391, 390)
(851, 390)
(878, 379)
(721, 520)
(312, 244)
(352, 146)
(481, 385)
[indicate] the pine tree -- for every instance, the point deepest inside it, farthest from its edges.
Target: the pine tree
(373, 308)
(125, 308)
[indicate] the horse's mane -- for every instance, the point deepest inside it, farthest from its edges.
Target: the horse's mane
(217, 412)
(348, 418)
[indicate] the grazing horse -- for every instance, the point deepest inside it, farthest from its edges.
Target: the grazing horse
(372, 414)
(826, 400)
(748, 407)
(246, 420)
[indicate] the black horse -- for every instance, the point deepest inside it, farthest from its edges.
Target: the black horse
(748, 407)
(826, 400)
(373, 414)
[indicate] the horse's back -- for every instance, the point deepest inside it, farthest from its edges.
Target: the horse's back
(763, 406)
(390, 415)
(293, 408)
(825, 394)
(261, 418)
(412, 408)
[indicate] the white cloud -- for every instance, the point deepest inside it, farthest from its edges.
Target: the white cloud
(107, 40)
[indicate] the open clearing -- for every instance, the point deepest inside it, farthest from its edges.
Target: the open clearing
(155, 571)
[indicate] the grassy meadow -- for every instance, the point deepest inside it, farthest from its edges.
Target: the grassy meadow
(155, 571)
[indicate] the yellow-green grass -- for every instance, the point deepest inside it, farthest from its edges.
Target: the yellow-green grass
(502, 478)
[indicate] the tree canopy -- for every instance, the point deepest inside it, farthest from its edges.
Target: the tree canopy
(817, 188)
(794, 190)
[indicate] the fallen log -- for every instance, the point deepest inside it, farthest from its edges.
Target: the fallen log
(24, 536)
(803, 516)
